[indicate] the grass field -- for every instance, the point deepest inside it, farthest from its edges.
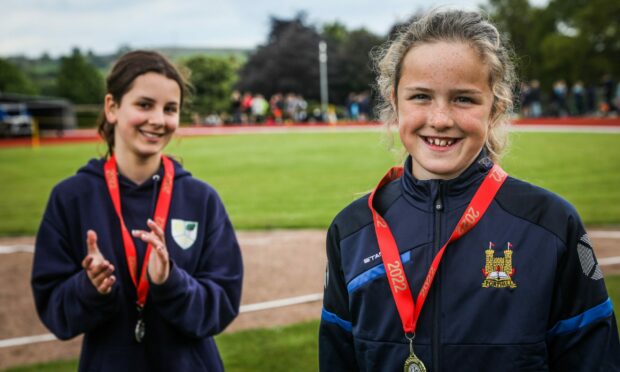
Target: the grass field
(302, 180)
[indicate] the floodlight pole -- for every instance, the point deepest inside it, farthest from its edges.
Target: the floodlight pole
(323, 75)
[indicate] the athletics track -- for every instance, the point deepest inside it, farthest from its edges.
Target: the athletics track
(611, 125)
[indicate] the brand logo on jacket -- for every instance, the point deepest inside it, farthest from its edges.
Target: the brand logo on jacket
(372, 258)
(184, 232)
(498, 271)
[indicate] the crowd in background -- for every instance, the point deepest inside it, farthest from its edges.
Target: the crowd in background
(577, 100)
(248, 108)
(560, 101)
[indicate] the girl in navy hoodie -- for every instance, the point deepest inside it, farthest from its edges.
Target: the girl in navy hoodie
(133, 252)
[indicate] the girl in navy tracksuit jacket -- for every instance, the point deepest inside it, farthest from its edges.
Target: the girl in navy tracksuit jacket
(518, 289)
(133, 252)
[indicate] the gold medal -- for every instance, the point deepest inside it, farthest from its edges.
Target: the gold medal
(414, 364)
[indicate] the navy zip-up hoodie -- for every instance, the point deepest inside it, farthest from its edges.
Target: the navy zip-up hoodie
(199, 299)
(521, 291)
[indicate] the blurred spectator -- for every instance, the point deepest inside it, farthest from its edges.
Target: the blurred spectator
(364, 104)
(535, 107)
(524, 92)
(246, 106)
(558, 99)
(276, 105)
(213, 119)
(317, 115)
(609, 91)
(579, 98)
(618, 96)
(295, 108)
(353, 108)
(259, 108)
(301, 107)
(235, 106)
(590, 98)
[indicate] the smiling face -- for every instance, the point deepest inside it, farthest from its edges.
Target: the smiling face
(146, 117)
(444, 105)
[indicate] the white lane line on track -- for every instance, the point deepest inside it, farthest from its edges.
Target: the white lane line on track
(18, 248)
(28, 340)
(565, 128)
(608, 261)
(281, 303)
(19, 341)
(6, 249)
(604, 234)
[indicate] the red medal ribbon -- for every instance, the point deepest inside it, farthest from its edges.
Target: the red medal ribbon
(160, 218)
(407, 309)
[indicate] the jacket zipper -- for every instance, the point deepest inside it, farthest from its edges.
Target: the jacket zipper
(438, 205)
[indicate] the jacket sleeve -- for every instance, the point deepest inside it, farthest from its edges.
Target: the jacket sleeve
(203, 303)
(66, 301)
(583, 334)
(336, 347)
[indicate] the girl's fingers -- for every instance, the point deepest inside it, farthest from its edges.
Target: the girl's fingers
(103, 281)
(162, 253)
(95, 270)
(87, 261)
(106, 285)
(138, 233)
(156, 229)
(100, 274)
(149, 238)
(160, 234)
(91, 242)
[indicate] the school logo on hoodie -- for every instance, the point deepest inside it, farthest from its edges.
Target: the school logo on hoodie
(184, 232)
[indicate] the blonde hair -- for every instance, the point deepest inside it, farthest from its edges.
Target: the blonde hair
(452, 26)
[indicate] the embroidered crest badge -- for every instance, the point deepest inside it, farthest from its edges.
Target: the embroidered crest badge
(498, 271)
(184, 232)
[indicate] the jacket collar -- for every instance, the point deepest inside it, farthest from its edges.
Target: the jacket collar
(455, 192)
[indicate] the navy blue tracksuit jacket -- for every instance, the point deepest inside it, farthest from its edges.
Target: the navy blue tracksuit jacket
(521, 291)
(199, 299)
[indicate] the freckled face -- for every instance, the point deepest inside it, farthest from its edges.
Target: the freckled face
(444, 104)
(146, 117)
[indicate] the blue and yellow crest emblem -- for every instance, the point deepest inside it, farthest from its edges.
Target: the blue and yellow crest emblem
(498, 271)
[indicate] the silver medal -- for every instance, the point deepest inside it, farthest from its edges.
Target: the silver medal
(140, 330)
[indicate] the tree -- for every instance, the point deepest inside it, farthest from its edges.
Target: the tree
(350, 67)
(13, 80)
(592, 28)
(79, 81)
(525, 27)
(571, 40)
(287, 63)
(212, 79)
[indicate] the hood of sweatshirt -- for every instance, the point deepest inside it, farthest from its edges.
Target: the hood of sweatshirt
(138, 202)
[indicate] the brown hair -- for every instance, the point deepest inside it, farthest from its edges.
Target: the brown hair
(121, 78)
(452, 26)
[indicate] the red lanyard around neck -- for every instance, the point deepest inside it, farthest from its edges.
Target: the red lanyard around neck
(409, 310)
(160, 218)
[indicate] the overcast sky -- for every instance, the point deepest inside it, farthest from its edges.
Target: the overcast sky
(31, 27)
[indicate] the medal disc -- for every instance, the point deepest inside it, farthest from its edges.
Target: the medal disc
(140, 330)
(414, 364)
